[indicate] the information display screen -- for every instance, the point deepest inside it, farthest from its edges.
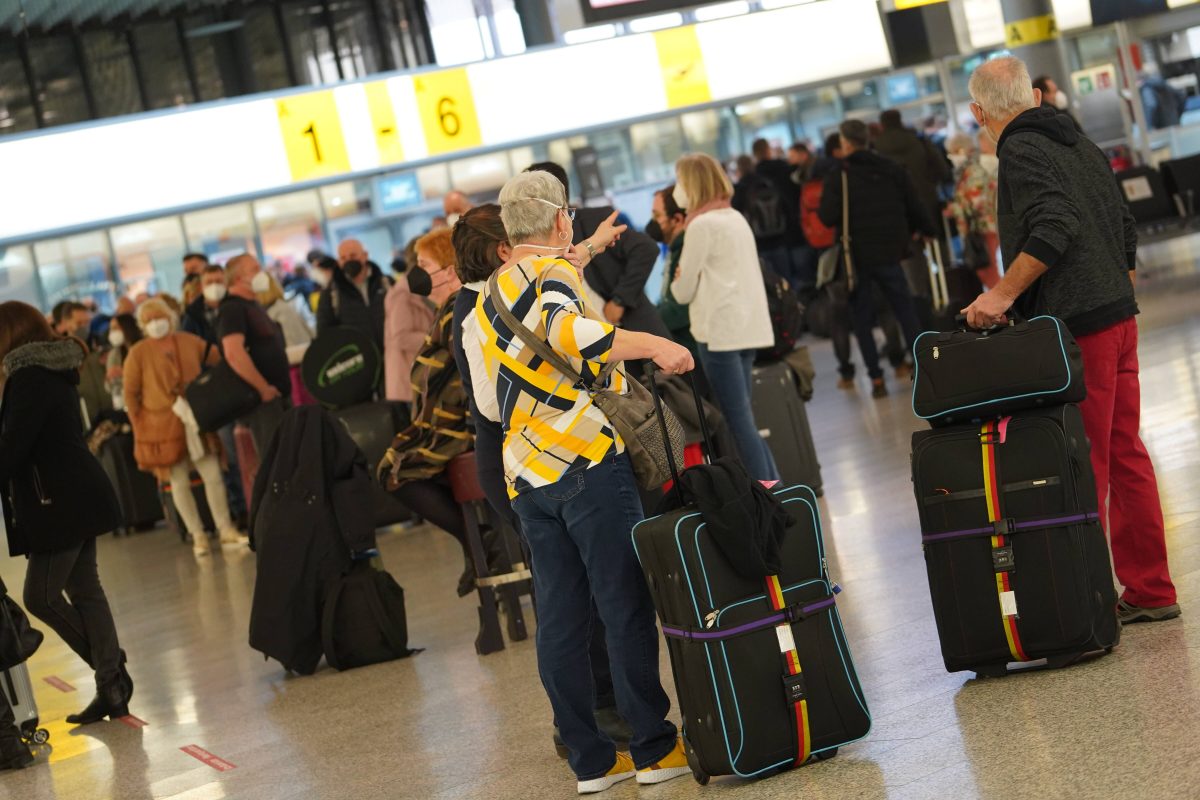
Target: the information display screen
(608, 10)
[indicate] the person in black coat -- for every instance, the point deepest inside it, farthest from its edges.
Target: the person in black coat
(355, 294)
(886, 214)
(618, 275)
(57, 499)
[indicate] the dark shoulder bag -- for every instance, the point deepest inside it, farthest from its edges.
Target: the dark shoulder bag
(364, 620)
(219, 396)
(18, 639)
(632, 415)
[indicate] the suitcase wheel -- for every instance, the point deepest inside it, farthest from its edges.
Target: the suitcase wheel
(41, 736)
(698, 773)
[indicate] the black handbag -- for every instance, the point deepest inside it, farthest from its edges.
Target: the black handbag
(974, 247)
(18, 639)
(220, 397)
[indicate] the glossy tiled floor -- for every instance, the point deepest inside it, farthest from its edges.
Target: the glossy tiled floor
(448, 724)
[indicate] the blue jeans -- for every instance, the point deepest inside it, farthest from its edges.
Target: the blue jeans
(731, 381)
(578, 531)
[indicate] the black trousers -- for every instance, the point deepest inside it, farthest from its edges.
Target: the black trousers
(63, 590)
(891, 281)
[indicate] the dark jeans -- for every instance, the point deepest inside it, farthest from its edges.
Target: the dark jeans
(891, 281)
(578, 530)
(729, 375)
(264, 421)
(233, 475)
(82, 617)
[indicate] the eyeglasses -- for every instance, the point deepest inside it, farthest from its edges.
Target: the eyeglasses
(570, 211)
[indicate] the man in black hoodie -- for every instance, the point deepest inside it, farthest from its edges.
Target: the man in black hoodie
(1070, 244)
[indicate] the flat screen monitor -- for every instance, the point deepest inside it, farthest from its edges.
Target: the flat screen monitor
(609, 10)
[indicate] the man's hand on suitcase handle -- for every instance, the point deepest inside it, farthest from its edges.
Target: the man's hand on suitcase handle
(990, 307)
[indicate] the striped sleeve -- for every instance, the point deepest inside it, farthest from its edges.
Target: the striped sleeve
(568, 330)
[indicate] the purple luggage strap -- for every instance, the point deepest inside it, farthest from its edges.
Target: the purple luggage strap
(789, 614)
(1009, 526)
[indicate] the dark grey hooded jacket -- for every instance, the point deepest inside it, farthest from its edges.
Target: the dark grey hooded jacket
(1059, 202)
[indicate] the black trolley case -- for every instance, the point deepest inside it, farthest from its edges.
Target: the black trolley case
(762, 669)
(1018, 563)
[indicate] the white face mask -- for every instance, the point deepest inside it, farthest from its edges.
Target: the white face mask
(451, 219)
(158, 328)
(320, 278)
(1061, 101)
(260, 283)
(957, 159)
(116, 338)
(990, 162)
(214, 292)
(680, 197)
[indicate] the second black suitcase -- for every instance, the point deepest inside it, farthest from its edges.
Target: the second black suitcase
(137, 491)
(783, 421)
(1018, 563)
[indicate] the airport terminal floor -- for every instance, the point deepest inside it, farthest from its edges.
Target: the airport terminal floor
(449, 724)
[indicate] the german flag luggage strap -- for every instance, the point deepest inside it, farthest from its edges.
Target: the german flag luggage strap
(793, 677)
(991, 436)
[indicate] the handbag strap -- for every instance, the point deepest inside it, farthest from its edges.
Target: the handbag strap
(847, 254)
(541, 348)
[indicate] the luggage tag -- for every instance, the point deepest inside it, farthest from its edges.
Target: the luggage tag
(1008, 603)
(787, 642)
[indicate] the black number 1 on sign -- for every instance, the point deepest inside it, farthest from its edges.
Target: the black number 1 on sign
(449, 120)
(311, 131)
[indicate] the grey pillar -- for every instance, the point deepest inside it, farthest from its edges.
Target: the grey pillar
(535, 22)
(1032, 35)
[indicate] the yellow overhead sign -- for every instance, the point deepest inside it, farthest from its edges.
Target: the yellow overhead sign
(312, 135)
(1031, 30)
(902, 5)
(447, 110)
(682, 63)
(383, 123)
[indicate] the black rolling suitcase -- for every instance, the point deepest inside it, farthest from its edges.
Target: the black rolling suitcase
(372, 426)
(1018, 563)
(783, 421)
(762, 669)
(137, 491)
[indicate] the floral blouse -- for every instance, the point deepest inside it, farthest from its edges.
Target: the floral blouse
(974, 203)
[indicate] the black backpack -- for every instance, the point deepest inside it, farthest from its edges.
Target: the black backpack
(787, 316)
(364, 621)
(765, 210)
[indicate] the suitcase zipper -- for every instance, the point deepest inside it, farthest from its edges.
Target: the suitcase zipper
(936, 353)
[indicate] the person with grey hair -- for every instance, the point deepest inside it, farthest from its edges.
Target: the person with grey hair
(886, 214)
(571, 482)
(166, 442)
(1070, 247)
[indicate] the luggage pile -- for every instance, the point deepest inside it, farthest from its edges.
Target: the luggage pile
(762, 668)
(1018, 563)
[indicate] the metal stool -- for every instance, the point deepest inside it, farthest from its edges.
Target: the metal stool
(511, 577)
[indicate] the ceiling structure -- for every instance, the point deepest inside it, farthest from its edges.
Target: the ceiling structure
(17, 15)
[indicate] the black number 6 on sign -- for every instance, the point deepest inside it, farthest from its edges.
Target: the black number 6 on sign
(447, 118)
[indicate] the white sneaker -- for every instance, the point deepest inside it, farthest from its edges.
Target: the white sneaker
(623, 770)
(232, 536)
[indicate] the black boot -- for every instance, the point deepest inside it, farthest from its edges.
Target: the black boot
(14, 753)
(466, 581)
(111, 700)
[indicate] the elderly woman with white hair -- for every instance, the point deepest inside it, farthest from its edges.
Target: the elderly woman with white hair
(166, 442)
(973, 208)
(571, 482)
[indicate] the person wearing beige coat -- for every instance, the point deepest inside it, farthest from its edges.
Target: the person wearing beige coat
(157, 370)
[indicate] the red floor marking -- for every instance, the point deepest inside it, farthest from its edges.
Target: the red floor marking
(133, 721)
(59, 683)
(200, 754)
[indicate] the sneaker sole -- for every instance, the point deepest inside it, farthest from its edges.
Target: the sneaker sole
(662, 775)
(600, 784)
(1147, 616)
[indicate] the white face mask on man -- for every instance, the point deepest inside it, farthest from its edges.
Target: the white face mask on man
(1061, 101)
(260, 283)
(116, 337)
(214, 292)
(158, 328)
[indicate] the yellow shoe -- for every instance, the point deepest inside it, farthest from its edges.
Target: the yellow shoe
(672, 765)
(623, 770)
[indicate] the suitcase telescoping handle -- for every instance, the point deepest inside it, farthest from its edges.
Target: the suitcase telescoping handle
(650, 370)
(1013, 319)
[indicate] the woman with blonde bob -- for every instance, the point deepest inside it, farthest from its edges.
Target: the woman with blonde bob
(158, 370)
(720, 278)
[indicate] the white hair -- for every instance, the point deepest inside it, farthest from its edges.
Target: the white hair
(156, 304)
(1002, 87)
(960, 141)
(529, 205)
